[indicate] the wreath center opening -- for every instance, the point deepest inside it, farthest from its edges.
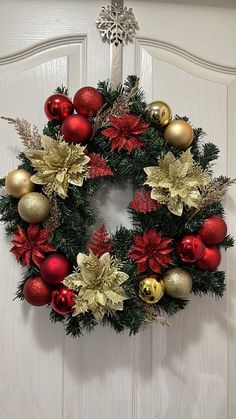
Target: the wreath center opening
(110, 204)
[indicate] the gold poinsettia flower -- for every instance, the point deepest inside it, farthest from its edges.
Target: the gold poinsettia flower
(58, 164)
(177, 182)
(97, 282)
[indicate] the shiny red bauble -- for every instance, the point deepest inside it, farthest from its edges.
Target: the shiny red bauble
(214, 230)
(190, 248)
(87, 101)
(36, 292)
(63, 299)
(55, 268)
(76, 129)
(58, 107)
(210, 260)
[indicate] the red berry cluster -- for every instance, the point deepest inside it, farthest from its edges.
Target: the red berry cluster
(202, 248)
(75, 128)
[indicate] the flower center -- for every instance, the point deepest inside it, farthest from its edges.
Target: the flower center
(125, 132)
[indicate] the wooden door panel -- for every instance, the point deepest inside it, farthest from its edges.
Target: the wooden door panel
(31, 347)
(185, 54)
(194, 363)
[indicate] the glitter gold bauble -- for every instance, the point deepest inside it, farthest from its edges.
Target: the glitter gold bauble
(33, 207)
(177, 282)
(18, 183)
(150, 290)
(159, 112)
(179, 134)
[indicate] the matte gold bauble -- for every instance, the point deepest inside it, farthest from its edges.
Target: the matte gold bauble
(33, 207)
(150, 290)
(159, 112)
(179, 134)
(177, 282)
(18, 183)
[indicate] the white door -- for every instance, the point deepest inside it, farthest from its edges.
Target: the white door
(185, 54)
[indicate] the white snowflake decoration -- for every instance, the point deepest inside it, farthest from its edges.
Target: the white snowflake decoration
(117, 25)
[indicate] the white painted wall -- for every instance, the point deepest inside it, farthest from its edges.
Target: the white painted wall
(185, 54)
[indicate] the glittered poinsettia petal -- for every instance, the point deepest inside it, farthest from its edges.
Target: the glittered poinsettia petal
(151, 250)
(115, 121)
(110, 132)
(54, 165)
(142, 267)
(176, 180)
(19, 235)
(98, 280)
(124, 132)
(32, 231)
(43, 235)
(154, 265)
(139, 129)
(34, 245)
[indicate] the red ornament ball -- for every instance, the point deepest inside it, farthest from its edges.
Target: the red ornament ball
(63, 299)
(210, 260)
(87, 101)
(58, 107)
(214, 230)
(190, 248)
(55, 268)
(36, 292)
(76, 129)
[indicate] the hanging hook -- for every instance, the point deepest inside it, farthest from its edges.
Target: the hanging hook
(117, 25)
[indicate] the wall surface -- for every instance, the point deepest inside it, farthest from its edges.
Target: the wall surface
(185, 54)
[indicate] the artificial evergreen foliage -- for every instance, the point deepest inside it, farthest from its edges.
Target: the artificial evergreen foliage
(76, 217)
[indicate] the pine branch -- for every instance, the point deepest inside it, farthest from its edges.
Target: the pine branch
(52, 129)
(62, 90)
(208, 282)
(210, 153)
(170, 305)
(120, 105)
(227, 242)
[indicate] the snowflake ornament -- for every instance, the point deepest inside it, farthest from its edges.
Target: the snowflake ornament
(116, 24)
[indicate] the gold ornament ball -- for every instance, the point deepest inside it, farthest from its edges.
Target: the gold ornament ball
(177, 282)
(18, 183)
(179, 133)
(160, 113)
(33, 207)
(150, 290)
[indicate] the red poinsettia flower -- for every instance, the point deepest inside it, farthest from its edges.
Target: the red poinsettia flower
(151, 251)
(124, 132)
(32, 245)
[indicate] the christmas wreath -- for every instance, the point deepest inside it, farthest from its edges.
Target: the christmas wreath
(88, 276)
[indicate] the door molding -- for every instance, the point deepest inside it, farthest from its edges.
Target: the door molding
(74, 47)
(42, 47)
(183, 59)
